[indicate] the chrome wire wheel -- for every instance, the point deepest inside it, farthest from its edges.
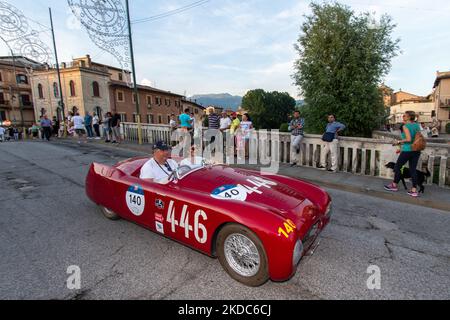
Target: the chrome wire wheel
(242, 255)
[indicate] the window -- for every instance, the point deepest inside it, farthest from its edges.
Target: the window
(177, 103)
(160, 119)
(3, 115)
(22, 79)
(40, 91)
(134, 98)
(135, 118)
(158, 101)
(25, 100)
(99, 112)
(55, 90)
(149, 100)
(196, 111)
(2, 98)
(1, 77)
(150, 119)
(120, 96)
(123, 117)
(72, 88)
(96, 89)
(120, 76)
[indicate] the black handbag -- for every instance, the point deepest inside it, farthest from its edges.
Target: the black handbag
(328, 137)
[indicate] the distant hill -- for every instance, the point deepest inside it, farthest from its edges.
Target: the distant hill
(224, 100)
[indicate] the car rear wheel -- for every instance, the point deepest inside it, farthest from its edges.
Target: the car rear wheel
(242, 255)
(109, 213)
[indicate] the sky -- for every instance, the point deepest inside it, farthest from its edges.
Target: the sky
(232, 46)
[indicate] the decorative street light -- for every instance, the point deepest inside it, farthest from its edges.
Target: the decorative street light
(16, 33)
(108, 25)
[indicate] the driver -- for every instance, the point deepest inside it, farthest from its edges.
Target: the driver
(160, 167)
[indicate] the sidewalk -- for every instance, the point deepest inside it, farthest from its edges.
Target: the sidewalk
(434, 197)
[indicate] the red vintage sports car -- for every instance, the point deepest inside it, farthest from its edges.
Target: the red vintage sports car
(258, 226)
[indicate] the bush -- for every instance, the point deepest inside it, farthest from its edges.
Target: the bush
(284, 127)
(447, 128)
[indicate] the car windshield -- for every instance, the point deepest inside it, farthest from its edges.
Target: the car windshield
(190, 165)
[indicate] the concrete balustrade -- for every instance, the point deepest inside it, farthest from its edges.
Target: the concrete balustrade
(360, 156)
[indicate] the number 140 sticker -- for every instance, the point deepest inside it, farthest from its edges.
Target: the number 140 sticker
(135, 200)
(200, 232)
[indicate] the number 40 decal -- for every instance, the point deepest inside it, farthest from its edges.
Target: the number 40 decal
(198, 227)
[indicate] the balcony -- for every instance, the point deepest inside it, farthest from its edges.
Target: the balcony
(27, 104)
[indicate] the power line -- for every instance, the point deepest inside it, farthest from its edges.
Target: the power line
(172, 12)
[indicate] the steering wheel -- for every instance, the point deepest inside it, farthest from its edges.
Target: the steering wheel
(178, 171)
(183, 169)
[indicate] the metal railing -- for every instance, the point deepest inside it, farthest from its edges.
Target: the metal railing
(361, 156)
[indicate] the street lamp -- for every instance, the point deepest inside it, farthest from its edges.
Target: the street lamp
(136, 91)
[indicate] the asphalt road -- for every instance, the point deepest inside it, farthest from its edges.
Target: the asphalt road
(47, 224)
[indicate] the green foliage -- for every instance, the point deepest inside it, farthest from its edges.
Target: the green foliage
(447, 128)
(284, 127)
(343, 58)
(268, 110)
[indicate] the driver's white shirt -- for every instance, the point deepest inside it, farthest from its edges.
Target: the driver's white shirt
(152, 170)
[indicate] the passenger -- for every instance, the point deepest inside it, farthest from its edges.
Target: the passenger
(193, 161)
(159, 168)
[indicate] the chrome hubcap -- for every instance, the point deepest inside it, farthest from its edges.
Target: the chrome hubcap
(242, 255)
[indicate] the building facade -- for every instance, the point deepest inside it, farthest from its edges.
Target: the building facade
(85, 88)
(155, 106)
(441, 98)
(16, 97)
(424, 110)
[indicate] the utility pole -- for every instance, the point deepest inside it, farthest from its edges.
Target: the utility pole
(61, 97)
(136, 93)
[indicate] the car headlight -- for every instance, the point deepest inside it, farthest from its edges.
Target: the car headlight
(298, 251)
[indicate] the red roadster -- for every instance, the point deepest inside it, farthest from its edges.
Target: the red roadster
(258, 226)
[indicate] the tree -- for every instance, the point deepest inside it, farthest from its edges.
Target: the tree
(343, 58)
(268, 110)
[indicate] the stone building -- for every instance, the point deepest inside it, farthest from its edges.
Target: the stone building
(16, 102)
(441, 98)
(85, 86)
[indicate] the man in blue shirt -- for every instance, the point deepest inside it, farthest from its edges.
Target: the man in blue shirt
(185, 120)
(331, 144)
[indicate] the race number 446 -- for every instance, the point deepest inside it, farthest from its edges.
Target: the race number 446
(200, 232)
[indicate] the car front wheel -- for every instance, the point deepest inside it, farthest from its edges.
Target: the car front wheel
(109, 214)
(242, 255)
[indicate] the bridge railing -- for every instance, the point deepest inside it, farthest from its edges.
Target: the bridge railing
(361, 156)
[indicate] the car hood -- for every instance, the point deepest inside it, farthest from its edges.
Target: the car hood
(231, 184)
